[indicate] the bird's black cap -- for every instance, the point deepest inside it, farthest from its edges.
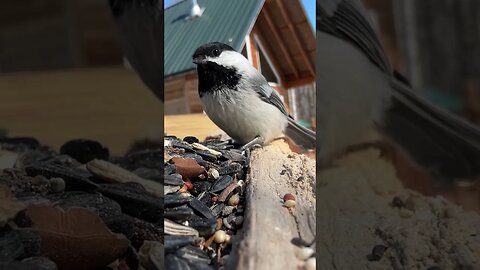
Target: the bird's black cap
(212, 49)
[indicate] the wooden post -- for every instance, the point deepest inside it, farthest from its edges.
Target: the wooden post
(269, 227)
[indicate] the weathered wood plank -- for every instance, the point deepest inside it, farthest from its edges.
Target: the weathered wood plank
(357, 214)
(269, 227)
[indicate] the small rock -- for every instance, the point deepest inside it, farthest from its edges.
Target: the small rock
(85, 150)
(57, 185)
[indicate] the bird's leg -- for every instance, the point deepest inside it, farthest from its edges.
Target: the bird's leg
(229, 141)
(252, 144)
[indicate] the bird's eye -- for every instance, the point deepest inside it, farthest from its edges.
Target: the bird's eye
(216, 52)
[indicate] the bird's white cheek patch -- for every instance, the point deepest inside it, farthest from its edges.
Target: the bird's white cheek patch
(231, 59)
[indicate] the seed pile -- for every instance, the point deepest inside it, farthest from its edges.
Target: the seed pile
(80, 208)
(204, 202)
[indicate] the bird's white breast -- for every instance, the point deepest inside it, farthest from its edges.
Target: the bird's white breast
(352, 94)
(243, 115)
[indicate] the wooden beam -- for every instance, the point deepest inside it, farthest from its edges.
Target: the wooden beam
(274, 60)
(278, 40)
(295, 37)
(253, 51)
(294, 24)
(300, 82)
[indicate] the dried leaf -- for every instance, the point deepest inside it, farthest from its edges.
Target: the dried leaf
(75, 239)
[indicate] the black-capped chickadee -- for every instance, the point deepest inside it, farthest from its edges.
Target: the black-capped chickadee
(360, 98)
(239, 100)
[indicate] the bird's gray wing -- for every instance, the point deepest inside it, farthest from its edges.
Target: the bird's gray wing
(301, 135)
(348, 20)
(140, 24)
(267, 93)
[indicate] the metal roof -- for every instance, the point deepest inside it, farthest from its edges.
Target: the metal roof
(227, 21)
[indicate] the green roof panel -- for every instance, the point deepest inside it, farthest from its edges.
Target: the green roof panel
(227, 21)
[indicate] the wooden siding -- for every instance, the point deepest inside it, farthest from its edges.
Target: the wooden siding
(191, 89)
(174, 88)
(176, 106)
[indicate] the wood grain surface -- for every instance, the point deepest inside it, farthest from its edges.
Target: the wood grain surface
(362, 204)
(269, 227)
(110, 105)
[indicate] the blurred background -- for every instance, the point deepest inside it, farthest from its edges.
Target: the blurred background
(435, 44)
(277, 36)
(63, 75)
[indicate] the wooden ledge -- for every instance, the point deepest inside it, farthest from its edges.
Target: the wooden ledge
(269, 227)
(357, 214)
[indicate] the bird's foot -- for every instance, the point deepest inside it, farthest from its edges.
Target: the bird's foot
(253, 144)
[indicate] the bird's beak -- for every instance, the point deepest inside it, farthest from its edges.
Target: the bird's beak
(199, 59)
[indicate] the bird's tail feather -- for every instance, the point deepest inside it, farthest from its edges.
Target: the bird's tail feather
(302, 136)
(446, 145)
